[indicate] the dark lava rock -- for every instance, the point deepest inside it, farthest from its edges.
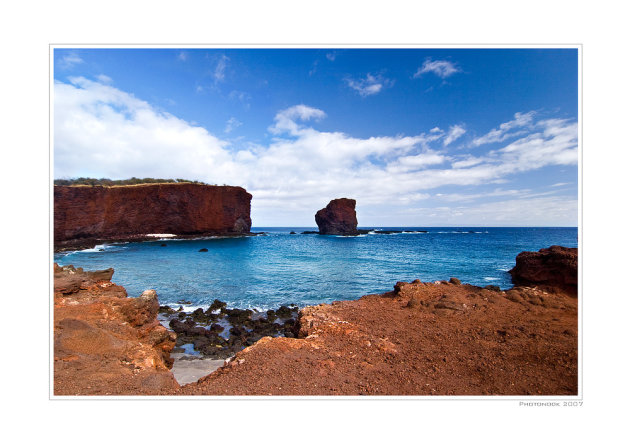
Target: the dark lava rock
(339, 217)
(310, 232)
(165, 309)
(203, 250)
(163, 245)
(217, 305)
(285, 312)
(216, 328)
(292, 232)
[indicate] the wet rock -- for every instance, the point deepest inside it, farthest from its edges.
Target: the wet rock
(285, 312)
(203, 250)
(165, 309)
(217, 305)
(216, 328)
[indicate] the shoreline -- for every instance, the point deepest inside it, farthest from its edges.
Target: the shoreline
(86, 244)
(420, 339)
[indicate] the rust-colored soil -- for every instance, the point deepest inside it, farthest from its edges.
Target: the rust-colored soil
(423, 339)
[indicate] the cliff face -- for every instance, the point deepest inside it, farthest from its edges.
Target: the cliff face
(187, 209)
(339, 217)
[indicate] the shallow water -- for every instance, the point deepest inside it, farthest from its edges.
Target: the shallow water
(265, 272)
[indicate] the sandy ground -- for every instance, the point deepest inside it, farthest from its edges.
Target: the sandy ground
(191, 370)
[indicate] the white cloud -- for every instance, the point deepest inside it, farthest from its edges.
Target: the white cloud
(520, 121)
(372, 84)
(70, 60)
(104, 79)
(468, 161)
(331, 56)
(182, 56)
(102, 131)
(285, 121)
(232, 124)
(441, 68)
(454, 133)
(219, 69)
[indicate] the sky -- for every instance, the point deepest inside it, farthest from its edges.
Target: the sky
(419, 137)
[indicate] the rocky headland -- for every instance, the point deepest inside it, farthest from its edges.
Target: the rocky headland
(339, 217)
(422, 338)
(88, 215)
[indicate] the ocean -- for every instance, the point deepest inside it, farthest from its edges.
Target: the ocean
(279, 268)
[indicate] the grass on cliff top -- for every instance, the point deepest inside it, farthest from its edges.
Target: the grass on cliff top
(89, 182)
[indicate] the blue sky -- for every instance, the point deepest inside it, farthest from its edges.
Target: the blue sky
(420, 137)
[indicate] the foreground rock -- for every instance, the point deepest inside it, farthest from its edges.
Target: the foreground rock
(552, 267)
(87, 215)
(339, 217)
(106, 343)
(219, 332)
(441, 338)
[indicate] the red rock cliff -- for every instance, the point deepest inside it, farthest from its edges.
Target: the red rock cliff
(115, 212)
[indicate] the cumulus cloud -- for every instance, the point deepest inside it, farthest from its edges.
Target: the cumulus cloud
(105, 132)
(102, 131)
(372, 84)
(441, 68)
(286, 120)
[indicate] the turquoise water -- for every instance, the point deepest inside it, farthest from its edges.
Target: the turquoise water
(265, 272)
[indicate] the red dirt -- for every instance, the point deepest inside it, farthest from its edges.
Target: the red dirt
(450, 340)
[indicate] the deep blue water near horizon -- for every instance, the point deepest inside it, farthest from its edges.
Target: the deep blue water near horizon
(265, 272)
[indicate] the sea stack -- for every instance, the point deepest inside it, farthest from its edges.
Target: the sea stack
(339, 217)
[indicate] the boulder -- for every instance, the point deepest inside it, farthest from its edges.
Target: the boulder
(554, 267)
(339, 217)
